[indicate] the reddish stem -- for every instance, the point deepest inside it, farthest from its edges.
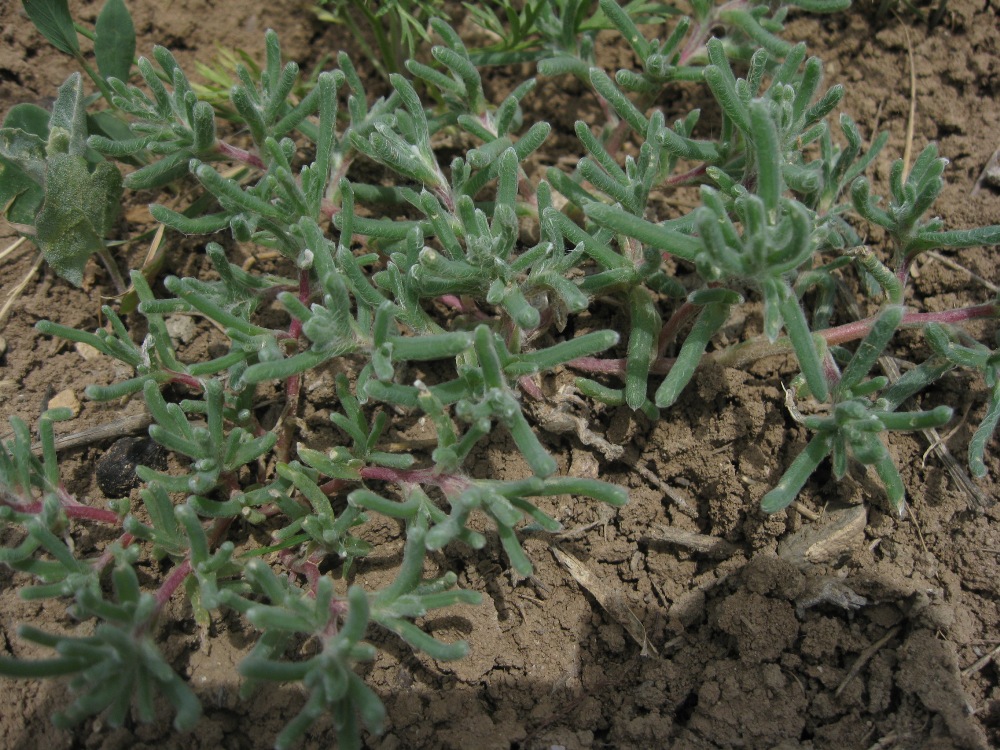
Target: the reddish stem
(189, 380)
(309, 568)
(660, 366)
(293, 385)
(171, 583)
(85, 512)
(669, 331)
(451, 301)
(106, 557)
(685, 177)
(529, 386)
(750, 351)
(449, 483)
(860, 328)
(177, 576)
(337, 608)
(333, 486)
(239, 154)
(74, 510)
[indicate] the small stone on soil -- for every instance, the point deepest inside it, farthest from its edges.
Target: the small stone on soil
(116, 468)
(86, 351)
(992, 176)
(181, 329)
(65, 399)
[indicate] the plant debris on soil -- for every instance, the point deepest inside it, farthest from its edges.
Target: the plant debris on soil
(688, 618)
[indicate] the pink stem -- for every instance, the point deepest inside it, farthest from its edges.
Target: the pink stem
(685, 177)
(85, 512)
(293, 384)
(191, 382)
(308, 568)
(660, 366)
(749, 351)
(177, 576)
(530, 387)
(102, 562)
(449, 483)
(171, 583)
(239, 154)
(669, 331)
(860, 328)
(73, 510)
(451, 301)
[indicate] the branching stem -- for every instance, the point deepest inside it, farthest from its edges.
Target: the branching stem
(746, 352)
(178, 574)
(293, 385)
(448, 483)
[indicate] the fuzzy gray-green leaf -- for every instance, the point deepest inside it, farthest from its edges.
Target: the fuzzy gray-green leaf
(78, 211)
(68, 124)
(25, 151)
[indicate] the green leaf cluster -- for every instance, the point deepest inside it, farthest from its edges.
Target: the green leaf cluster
(446, 288)
(50, 183)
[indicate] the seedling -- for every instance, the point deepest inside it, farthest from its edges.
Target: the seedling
(445, 290)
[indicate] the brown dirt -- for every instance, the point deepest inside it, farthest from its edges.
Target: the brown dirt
(750, 651)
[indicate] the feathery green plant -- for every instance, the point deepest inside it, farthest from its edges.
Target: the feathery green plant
(445, 289)
(397, 29)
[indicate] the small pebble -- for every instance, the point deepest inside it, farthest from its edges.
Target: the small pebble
(181, 329)
(65, 399)
(992, 176)
(115, 470)
(584, 465)
(86, 351)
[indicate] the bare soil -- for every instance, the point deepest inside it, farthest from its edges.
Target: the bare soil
(745, 647)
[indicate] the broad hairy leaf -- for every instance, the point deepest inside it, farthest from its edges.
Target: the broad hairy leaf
(79, 209)
(68, 123)
(24, 150)
(20, 196)
(30, 118)
(22, 162)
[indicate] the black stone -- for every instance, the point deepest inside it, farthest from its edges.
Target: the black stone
(116, 468)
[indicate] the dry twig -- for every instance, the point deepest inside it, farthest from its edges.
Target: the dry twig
(981, 662)
(612, 601)
(959, 267)
(865, 657)
(112, 430)
(712, 546)
(991, 166)
(675, 495)
(9, 304)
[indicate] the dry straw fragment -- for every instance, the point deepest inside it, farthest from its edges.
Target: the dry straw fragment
(610, 599)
